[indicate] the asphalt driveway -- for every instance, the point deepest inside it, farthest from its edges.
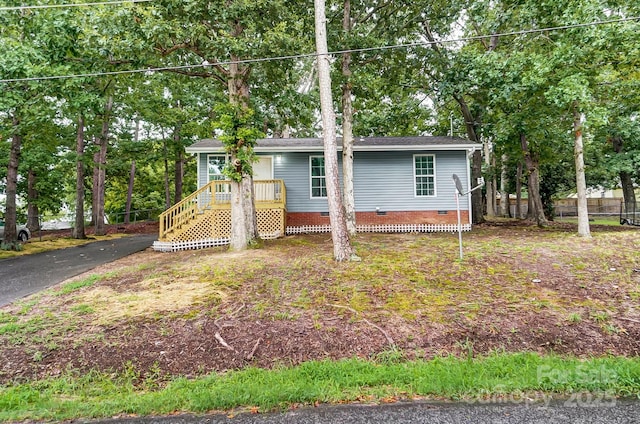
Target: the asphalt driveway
(28, 274)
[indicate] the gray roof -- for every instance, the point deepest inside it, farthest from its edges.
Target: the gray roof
(360, 144)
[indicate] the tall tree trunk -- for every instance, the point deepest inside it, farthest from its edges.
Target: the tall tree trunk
(533, 175)
(100, 171)
(494, 181)
(132, 176)
(490, 182)
(11, 209)
(33, 213)
(519, 191)
(94, 186)
(127, 207)
(167, 189)
(581, 184)
(99, 175)
(470, 123)
(626, 181)
(244, 227)
(179, 164)
(179, 176)
(504, 195)
(347, 131)
(78, 228)
(342, 250)
(243, 233)
(477, 203)
(628, 193)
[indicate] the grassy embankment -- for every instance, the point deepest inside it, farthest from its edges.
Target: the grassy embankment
(403, 279)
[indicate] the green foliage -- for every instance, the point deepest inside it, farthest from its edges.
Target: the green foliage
(14, 246)
(239, 135)
(530, 84)
(97, 395)
(524, 84)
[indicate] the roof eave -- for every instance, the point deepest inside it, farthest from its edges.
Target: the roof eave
(310, 149)
(439, 147)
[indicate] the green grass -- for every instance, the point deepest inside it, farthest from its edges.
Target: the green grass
(386, 377)
(593, 220)
(48, 243)
(11, 326)
(77, 285)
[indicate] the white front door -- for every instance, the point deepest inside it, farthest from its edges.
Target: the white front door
(263, 170)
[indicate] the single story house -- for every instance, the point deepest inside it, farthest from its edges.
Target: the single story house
(401, 184)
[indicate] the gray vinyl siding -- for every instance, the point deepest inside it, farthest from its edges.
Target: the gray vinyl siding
(386, 180)
(382, 180)
(202, 169)
(293, 168)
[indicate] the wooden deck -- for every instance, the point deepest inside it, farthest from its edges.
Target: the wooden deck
(206, 213)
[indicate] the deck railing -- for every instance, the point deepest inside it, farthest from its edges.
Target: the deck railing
(217, 195)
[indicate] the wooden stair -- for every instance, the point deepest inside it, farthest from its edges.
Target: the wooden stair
(206, 213)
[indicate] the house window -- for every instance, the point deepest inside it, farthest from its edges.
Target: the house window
(216, 165)
(318, 181)
(424, 169)
(215, 168)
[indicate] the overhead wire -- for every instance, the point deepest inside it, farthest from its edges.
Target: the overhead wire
(69, 5)
(314, 54)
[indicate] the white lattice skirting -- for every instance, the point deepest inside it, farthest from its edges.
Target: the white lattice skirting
(388, 228)
(174, 246)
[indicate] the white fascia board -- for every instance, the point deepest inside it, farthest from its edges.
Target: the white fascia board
(311, 149)
(196, 150)
(437, 147)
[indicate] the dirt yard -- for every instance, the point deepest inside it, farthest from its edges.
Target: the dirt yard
(519, 288)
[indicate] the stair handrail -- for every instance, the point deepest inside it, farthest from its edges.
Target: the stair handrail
(189, 207)
(184, 210)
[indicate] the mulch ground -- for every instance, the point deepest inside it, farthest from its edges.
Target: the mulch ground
(194, 342)
(142, 227)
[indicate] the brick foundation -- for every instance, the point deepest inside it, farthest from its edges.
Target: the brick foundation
(300, 219)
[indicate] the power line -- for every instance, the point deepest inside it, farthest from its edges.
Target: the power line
(308, 55)
(65, 5)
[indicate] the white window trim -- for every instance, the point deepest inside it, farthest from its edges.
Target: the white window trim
(415, 185)
(311, 177)
(226, 158)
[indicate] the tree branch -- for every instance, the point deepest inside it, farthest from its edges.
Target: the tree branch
(478, 32)
(166, 51)
(198, 74)
(372, 12)
(432, 41)
(386, 335)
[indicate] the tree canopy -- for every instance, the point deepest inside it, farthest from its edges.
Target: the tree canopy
(516, 76)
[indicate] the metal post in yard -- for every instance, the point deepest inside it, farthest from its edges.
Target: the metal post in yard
(460, 192)
(459, 223)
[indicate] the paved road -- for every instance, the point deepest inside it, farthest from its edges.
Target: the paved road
(24, 275)
(575, 411)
